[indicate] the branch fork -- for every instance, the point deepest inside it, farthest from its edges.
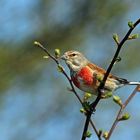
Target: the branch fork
(92, 106)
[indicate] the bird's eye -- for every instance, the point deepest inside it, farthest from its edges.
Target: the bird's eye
(73, 54)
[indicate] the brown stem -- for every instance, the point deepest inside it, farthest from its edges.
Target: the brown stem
(70, 82)
(94, 128)
(121, 111)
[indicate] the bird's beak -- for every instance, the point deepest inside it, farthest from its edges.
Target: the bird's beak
(63, 57)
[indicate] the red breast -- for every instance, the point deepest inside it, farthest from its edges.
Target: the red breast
(84, 77)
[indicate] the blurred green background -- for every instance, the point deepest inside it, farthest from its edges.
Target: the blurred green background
(35, 103)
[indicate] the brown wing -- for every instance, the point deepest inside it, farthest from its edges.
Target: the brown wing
(99, 69)
(103, 71)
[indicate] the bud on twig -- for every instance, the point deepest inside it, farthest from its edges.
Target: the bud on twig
(124, 117)
(86, 106)
(116, 38)
(46, 57)
(134, 36)
(82, 110)
(36, 43)
(107, 95)
(118, 59)
(105, 135)
(130, 24)
(87, 96)
(98, 77)
(57, 53)
(88, 134)
(60, 68)
(117, 100)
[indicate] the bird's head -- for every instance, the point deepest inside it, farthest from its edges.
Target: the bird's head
(74, 59)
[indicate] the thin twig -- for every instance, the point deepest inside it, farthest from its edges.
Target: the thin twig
(95, 129)
(117, 53)
(69, 79)
(121, 111)
(131, 96)
(102, 84)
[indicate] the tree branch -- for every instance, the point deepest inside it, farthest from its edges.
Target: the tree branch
(121, 111)
(70, 82)
(102, 84)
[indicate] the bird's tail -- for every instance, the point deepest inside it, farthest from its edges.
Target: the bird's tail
(133, 83)
(125, 82)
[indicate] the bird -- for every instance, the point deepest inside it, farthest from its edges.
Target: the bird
(87, 76)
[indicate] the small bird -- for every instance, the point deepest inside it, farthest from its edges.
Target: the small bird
(87, 76)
